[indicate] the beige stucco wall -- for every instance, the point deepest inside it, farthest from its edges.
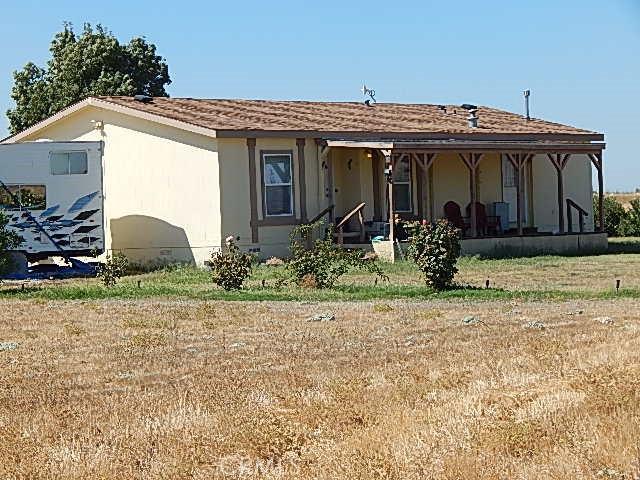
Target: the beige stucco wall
(235, 194)
(451, 181)
(160, 186)
(577, 187)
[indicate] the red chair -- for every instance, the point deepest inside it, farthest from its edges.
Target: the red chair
(453, 214)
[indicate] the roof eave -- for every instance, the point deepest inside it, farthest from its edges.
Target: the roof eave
(99, 103)
(392, 136)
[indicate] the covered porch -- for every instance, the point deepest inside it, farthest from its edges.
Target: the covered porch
(520, 189)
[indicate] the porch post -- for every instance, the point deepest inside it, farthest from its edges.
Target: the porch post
(424, 163)
(389, 165)
(472, 160)
(596, 159)
(330, 189)
(253, 192)
(300, 142)
(559, 162)
(377, 185)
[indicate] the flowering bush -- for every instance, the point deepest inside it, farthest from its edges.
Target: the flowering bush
(435, 248)
(231, 268)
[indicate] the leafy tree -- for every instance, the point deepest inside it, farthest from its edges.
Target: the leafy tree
(91, 63)
(630, 224)
(614, 215)
(8, 241)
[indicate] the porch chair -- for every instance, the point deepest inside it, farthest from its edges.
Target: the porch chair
(484, 223)
(453, 214)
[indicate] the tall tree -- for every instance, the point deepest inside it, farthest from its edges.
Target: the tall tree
(92, 63)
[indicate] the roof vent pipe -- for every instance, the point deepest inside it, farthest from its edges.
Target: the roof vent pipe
(143, 98)
(473, 118)
(527, 94)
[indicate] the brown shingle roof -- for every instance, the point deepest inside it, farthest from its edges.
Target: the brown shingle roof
(348, 117)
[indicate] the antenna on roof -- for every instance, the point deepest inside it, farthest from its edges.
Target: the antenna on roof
(527, 94)
(368, 91)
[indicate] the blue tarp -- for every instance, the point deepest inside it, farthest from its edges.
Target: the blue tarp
(46, 272)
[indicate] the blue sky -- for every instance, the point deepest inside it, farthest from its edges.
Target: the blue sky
(581, 59)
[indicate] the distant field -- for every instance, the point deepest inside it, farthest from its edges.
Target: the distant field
(624, 198)
(163, 377)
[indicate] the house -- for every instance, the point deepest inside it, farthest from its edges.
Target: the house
(182, 174)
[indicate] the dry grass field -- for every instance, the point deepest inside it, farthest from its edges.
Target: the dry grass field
(624, 198)
(162, 377)
(173, 389)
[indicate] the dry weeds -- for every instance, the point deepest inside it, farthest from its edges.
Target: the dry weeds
(170, 390)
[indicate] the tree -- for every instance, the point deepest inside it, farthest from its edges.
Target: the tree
(8, 241)
(92, 63)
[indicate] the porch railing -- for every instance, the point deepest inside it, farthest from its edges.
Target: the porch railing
(324, 212)
(340, 233)
(581, 214)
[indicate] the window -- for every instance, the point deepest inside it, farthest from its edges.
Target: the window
(32, 197)
(69, 163)
(277, 184)
(402, 185)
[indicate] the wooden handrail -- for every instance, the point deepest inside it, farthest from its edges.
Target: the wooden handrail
(329, 209)
(348, 216)
(581, 214)
(340, 227)
(571, 203)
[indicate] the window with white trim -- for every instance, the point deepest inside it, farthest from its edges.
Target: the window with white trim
(68, 163)
(402, 185)
(277, 184)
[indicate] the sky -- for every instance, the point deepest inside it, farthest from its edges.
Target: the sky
(580, 59)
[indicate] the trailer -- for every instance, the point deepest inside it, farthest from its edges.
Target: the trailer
(52, 193)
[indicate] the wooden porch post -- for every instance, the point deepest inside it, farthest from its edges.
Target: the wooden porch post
(300, 142)
(389, 164)
(559, 162)
(424, 162)
(596, 159)
(377, 185)
(330, 188)
(472, 160)
(253, 192)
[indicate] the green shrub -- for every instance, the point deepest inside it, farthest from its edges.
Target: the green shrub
(113, 269)
(322, 262)
(630, 223)
(614, 215)
(230, 269)
(9, 240)
(435, 248)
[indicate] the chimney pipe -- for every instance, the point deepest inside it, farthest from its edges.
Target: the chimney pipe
(473, 118)
(527, 93)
